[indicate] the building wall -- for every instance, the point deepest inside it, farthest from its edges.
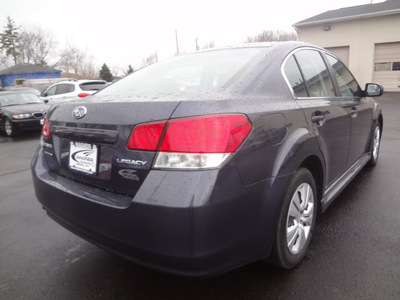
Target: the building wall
(9, 79)
(360, 36)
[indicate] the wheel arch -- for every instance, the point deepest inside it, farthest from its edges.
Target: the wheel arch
(380, 120)
(301, 150)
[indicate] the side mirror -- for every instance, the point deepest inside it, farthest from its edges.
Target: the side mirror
(373, 90)
(46, 101)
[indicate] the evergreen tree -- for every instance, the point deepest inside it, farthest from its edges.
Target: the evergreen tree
(9, 39)
(130, 70)
(105, 73)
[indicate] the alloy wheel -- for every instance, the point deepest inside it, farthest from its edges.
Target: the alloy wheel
(300, 218)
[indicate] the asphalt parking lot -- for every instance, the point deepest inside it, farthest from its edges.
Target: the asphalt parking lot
(355, 253)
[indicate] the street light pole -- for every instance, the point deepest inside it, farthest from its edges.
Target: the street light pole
(176, 39)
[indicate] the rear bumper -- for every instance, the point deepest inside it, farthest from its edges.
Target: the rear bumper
(186, 223)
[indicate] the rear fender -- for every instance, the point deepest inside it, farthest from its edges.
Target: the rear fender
(297, 147)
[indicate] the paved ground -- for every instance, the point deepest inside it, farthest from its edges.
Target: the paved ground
(355, 253)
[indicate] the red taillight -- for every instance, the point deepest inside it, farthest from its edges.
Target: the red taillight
(146, 136)
(82, 95)
(205, 134)
(204, 142)
(46, 128)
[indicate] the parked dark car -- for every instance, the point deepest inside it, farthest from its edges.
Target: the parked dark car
(205, 162)
(22, 89)
(21, 111)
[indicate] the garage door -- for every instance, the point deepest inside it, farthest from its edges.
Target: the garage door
(387, 66)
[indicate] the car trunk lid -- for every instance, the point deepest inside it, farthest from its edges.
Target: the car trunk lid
(87, 142)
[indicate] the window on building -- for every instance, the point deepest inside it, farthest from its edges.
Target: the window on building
(383, 66)
(19, 81)
(396, 66)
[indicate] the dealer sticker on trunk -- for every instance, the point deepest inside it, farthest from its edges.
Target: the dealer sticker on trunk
(83, 157)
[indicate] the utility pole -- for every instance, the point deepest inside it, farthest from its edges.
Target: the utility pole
(176, 38)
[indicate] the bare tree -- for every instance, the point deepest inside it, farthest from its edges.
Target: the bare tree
(87, 68)
(74, 60)
(272, 36)
(115, 70)
(37, 46)
(209, 45)
(4, 62)
(151, 59)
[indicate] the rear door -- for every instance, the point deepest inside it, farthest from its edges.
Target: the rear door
(327, 115)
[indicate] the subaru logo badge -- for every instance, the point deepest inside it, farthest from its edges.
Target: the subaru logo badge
(79, 112)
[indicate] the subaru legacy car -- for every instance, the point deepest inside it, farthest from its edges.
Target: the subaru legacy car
(21, 110)
(209, 161)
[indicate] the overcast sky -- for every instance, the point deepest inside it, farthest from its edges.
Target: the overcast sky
(119, 32)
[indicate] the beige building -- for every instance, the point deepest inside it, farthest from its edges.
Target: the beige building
(366, 38)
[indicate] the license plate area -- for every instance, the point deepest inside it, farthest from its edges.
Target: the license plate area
(83, 157)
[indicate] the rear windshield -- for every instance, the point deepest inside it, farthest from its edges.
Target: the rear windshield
(92, 86)
(202, 71)
(10, 99)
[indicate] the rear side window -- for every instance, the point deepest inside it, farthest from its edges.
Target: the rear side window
(316, 75)
(348, 85)
(65, 88)
(295, 79)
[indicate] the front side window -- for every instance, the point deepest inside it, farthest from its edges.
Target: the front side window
(51, 91)
(316, 75)
(348, 85)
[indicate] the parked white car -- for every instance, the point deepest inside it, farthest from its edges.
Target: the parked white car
(68, 89)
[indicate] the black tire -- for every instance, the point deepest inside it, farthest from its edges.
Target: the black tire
(296, 222)
(375, 145)
(8, 127)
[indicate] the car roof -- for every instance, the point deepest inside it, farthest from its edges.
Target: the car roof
(25, 91)
(80, 81)
(288, 45)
